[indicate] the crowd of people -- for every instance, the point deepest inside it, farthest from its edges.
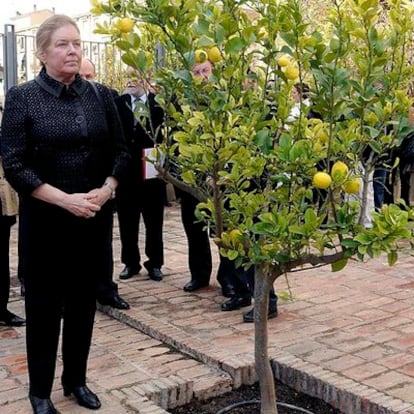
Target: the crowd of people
(75, 151)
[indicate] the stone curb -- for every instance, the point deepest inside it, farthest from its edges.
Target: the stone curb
(344, 394)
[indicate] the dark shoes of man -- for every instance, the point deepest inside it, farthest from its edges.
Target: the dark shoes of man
(155, 274)
(236, 302)
(129, 271)
(228, 291)
(248, 317)
(42, 405)
(84, 396)
(115, 302)
(10, 319)
(194, 285)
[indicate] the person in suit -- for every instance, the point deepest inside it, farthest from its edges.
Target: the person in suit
(8, 213)
(64, 153)
(237, 283)
(198, 241)
(142, 193)
(199, 251)
(107, 291)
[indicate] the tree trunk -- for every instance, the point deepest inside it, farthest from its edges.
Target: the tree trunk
(263, 367)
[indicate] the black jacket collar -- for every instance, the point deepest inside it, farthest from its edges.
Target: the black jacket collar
(56, 88)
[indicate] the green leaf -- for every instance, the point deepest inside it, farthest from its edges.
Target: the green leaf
(339, 265)
(232, 254)
(364, 238)
(392, 257)
(349, 243)
(234, 46)
(282, 258)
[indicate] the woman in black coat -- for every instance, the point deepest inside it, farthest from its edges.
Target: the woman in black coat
(64, 152)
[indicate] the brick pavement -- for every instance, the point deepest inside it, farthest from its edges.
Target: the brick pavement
(347, 338)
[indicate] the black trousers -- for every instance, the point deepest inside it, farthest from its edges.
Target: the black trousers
(146, 199)
(199, 252)
(405, 178)
(5, 225)
(238, 278)
(241, 279)
(64, 255)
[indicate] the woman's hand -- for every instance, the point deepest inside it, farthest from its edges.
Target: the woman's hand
(100, 195)
(82, 204)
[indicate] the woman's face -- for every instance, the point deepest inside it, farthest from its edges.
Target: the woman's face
(63, 57)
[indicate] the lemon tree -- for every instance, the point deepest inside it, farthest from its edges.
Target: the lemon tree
(263, 201)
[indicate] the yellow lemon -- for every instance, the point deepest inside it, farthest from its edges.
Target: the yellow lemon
(352, 186)
(339, 171)
(291, 72)
(322, 180)
(283, 60)
(200, 56)
(126, 25)
(214, 54)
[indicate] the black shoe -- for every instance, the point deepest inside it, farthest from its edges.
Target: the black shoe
(84, 396)
(10, 319)
(236, 302)
(228, 291)
(42, 405)
(155, 274)
(248, 317)
(129, 271)
(115, 302)
(193, 285)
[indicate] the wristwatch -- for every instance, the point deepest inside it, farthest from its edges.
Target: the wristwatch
(111, 187)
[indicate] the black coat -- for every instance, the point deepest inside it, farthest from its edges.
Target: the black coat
(69, 138)
(137, 136)
(62, 137)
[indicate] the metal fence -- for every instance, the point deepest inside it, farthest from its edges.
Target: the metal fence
(18, 61)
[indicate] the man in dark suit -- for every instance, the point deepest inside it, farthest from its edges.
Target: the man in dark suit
(107, 292)
(142, 193)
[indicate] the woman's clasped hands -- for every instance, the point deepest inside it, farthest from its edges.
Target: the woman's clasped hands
(85, 204)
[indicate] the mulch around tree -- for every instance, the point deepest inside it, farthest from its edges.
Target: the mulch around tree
(284, 394)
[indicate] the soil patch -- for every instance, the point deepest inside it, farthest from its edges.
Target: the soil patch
(285, 395)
